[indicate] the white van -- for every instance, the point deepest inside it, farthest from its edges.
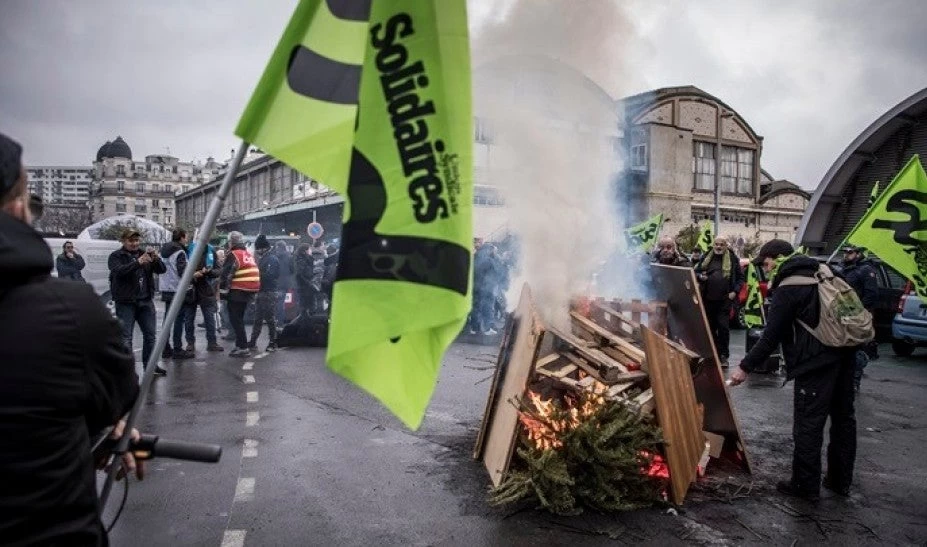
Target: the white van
(96, 256)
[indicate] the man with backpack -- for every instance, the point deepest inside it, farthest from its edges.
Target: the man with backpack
(819, 321)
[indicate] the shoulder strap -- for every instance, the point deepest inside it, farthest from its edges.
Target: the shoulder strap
(796, 280)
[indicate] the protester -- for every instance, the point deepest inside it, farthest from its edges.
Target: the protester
(69, 263)
(287, 274)
(241, 279)
(669, 255)
(175, 259)
(720, 279)
(303, 266)
(65, 376)
(488, 276)
(205, 280)
(266, 302)
(823, 376)
(862, 277)
(224, 320)
(696, 256)
(331, 272)
(131, 282)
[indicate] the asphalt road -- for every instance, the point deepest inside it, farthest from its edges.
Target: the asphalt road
(310, 460)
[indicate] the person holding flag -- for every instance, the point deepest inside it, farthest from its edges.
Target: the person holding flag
(753, 307)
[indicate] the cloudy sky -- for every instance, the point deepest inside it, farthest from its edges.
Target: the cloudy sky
(175, 75)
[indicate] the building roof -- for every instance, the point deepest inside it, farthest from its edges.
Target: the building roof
(769, 190)
(636, 104)
(115, 149)
(861, 151)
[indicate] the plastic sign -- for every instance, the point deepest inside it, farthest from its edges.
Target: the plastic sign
(315, 230)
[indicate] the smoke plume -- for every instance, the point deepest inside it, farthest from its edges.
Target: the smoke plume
(540, 68)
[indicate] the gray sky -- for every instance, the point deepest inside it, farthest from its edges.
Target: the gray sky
(807, 75)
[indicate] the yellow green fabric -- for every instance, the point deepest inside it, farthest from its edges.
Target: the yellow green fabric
(753, 307)
(642, 237)
(893, 228)
(706, 237)
(873, 194)
(398, 146)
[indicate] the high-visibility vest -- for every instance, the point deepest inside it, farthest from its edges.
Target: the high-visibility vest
(247, 277)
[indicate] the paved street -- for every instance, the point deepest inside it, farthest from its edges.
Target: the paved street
(309, 460)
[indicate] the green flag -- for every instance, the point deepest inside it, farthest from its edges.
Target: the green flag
(753, 307)
(372, 98)
(642, 237)
(706, 238)
(873, 195)
(892, 228)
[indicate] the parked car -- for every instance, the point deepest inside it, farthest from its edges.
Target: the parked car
(909, 328)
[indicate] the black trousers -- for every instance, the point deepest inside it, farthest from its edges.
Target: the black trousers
(265, 311)
(819, 394)
(237, 307)
(719, 323)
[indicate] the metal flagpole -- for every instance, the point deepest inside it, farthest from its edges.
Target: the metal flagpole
(209, 222)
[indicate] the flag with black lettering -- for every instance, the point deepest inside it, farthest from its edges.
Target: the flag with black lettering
(706, 237)
(372, 98)
(753, 307)
(895, 227)
(642, 237)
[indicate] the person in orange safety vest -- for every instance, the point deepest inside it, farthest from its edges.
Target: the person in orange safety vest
(239, 282)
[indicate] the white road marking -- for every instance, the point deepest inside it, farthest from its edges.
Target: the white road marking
(251, 396)
(244, 491)
(252, 418)
(233, 538)
(248, 365)
(261, 355)
(248, 379)
(250, 449)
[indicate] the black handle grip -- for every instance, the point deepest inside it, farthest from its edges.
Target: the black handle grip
(178, 450)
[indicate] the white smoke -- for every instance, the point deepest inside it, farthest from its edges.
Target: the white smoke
(554, 153)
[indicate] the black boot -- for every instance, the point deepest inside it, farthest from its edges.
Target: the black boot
(790, 489)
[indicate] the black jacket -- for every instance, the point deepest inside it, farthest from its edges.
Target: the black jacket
(269, 266)
(862, 277)
(69, 268)
(803, 352)
(737, 278)
(304, 266)
(205, 286)
(64, 375)
(287, 270)
(129, 281)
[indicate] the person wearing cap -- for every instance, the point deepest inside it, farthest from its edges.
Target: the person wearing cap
(720, 279)
(823, 376)
(859, 274)
(240, 281)
(131, 283)
(65, 375)
(266, 299)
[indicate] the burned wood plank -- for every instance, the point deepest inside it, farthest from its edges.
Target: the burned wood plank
(645, 401)
(616, 390)
(627, 347)
(590, 369)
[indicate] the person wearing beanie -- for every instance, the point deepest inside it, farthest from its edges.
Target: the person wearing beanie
(266, 302)
(240, 281)
(823, 376)
(66, 375)
(859, 274)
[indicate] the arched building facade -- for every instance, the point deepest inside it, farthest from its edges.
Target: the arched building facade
(876, 155)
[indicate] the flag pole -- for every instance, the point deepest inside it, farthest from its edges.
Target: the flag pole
(202, 240)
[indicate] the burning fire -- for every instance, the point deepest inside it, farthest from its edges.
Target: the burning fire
(544, 430)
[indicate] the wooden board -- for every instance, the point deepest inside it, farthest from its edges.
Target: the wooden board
(613, 339)
(677, 412)
(515, 368)
(505, 349)
(688, 325)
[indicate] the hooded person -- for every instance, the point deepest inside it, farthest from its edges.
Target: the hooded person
(65, 376)
(266, 299)
(823, 375)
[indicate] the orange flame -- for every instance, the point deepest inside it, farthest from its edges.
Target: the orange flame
(546, 433)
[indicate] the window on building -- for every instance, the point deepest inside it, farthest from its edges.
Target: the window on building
(139, 186)
(703, 165)
(736, 170)
(155, 217)
(154, 203)
(121, 170)
(639, 157)
(120, 186)
(167, 188)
